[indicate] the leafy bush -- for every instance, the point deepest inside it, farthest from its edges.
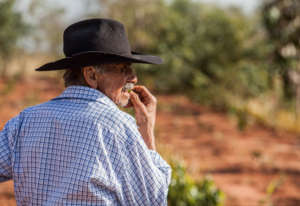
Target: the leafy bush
(12, 28)
(184, 191)
(209, 54)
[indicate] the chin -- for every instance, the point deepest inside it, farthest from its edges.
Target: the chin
(123, 100)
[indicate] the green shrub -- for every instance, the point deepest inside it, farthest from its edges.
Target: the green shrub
(184, 191)
(209, 54)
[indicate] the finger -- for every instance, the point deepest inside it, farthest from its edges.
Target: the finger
(144, 93)
(142, 90)
(135, 100)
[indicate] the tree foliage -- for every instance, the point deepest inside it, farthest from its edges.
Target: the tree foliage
(12, 28)
(282, 22)
(48, 22)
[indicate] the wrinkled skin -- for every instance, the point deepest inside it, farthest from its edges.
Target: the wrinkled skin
(112, 81)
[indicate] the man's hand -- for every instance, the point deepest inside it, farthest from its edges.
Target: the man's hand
(144, 104)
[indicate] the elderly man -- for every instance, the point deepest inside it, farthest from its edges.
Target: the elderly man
(79, 148)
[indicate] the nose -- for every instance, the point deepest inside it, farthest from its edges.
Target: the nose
(131, 75)
(132, 78)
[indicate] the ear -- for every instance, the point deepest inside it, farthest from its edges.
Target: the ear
(90, 76)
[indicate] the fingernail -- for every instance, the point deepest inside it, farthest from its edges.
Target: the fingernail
(132, 94)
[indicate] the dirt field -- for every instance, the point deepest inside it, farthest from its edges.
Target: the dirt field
(245, 164)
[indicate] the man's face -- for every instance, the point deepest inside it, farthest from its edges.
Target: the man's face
(113, 80)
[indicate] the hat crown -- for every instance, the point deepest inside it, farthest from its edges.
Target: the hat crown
(97, 41)
(99, 35)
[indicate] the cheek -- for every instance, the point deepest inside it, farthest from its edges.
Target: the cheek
(112, 87)
(116, 88)
(112, 83)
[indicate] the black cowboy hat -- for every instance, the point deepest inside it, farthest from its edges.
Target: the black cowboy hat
(95, 41)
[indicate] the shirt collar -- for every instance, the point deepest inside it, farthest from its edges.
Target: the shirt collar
(87, 93)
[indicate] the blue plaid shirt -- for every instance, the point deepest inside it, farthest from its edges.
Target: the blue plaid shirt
(80, 149)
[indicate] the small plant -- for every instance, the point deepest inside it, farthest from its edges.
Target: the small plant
(271, 189)
(184, 191)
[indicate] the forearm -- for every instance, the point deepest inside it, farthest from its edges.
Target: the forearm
(148, 136)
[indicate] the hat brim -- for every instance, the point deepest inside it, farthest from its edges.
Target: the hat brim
(93, 57)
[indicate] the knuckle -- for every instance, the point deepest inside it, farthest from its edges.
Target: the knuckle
(135, 97)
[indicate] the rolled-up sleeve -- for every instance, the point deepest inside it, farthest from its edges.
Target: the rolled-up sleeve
(146, 177)
(160, 163)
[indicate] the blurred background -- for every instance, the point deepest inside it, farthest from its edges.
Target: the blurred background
(229, 91)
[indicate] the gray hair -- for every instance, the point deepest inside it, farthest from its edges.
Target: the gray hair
(74, 76)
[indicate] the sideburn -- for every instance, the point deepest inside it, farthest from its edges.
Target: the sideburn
(74, 76)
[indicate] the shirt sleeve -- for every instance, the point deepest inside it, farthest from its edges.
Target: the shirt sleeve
(160, 163)
(6, 143)
(146, 177)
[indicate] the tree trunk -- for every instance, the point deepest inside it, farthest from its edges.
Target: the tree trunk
(295, 77)
(3, 69)
(297, 101)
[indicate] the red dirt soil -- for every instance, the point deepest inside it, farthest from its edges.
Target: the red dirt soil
(242, 163)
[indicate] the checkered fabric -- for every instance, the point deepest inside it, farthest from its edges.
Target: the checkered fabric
(80, 149)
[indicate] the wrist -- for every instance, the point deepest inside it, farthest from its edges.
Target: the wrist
(151, 144)
(149, 138)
